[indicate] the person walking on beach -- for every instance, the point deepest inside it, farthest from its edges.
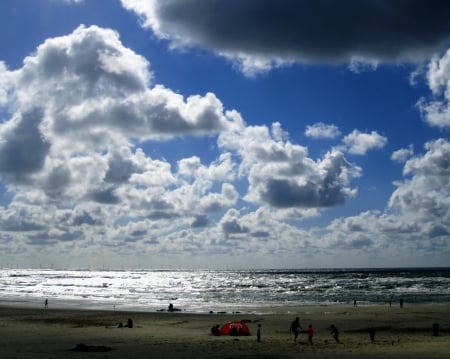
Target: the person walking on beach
(258, 333)
(46, 304)
(295, 326)
(372, 334)
(335, 333)
(310, 334)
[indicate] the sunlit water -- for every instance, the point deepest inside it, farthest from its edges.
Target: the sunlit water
(227, 291)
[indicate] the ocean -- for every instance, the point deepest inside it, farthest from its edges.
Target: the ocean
(202, 291)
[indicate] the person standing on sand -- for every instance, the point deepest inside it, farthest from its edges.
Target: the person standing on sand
(295, 326)
(46, 304)
(258, 333)
(310, 334)
(372, 334)
(335, 333)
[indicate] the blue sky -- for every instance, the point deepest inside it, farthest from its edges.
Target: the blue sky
(193, 134)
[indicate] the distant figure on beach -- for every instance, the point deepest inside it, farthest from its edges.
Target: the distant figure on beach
(401, 302)
(170, 309)
(354, 303)
(215, 330)
(372, 334)
(129, 323)
(46, 304)
(335, 333)
(234, 332)
(390, 301)
(258, 333)
(295, 326)
(310, 334)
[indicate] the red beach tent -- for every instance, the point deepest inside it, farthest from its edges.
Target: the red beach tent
(234, 328)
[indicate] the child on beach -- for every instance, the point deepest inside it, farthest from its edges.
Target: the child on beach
(310, 334)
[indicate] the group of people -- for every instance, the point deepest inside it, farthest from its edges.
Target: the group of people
(129, 324)
(296, 327)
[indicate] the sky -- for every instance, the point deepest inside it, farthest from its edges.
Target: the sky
(173, 134)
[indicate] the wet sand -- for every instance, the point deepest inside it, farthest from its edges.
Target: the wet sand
(399, 333)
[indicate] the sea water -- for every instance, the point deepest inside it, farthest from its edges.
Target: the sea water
(222, 291)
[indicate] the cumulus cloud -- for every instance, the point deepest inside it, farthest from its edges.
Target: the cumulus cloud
(83, 107)
(418, 212)
(358, 143)
(87, 92)
(282, 175)
(429, 189)
(258, 36)
(79, 108)
(436, 112)
(322, 130)
(402, 154)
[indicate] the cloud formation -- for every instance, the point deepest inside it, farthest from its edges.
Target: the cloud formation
(322, 130)
(81, 107)
(82, 116)
(282, 175)
(436, 112)
(258, 35)
(358, 143)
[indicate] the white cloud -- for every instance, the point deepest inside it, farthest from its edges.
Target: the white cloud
(68, 154)
(322, 130)
(79, 181)
(402, 154)
(417, 219)
(358, 143)
(436, 112)
(283, 176)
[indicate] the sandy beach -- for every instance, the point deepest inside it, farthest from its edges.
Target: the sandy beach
(399, 333)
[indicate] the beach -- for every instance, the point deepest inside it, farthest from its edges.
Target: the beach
(57, 333)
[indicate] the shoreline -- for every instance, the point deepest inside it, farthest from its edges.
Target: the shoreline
(399, 332)
(69, 304)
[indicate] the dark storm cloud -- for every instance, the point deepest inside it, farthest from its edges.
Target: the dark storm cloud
(232, 226)
(199, 222)
(284, 194)
(324, 31)
(119, 169)
(46, 238)
(84, 218)
(22, 149)
(20, 225)
(105, 196)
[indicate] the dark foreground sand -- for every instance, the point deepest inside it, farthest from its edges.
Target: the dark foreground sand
(400, 333)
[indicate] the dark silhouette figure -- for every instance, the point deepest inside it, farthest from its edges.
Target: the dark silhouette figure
(335, 333)
(258, 333)
(129, 323)
(234, 332)
(215, 330)
(372, 334)
(401, 302)
(46, 304)
(295, 326)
